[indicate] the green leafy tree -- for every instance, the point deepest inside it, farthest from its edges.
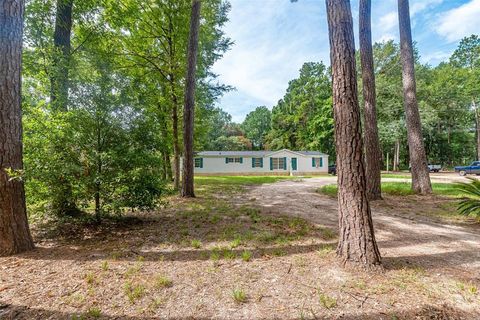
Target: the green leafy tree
(303, 118)
(256, 125)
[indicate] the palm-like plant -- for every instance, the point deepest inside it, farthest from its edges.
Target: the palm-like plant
(470, 206)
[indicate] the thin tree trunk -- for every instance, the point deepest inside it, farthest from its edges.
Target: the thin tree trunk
(98, 185)
(175, 106)
(168, 163)
(396, 155)
(357, 243)
(176, 144)
(189, 107)
(418, 159)
(167, 166)
(477, 127)
(61, 56)
(14, 231)
(372, 143)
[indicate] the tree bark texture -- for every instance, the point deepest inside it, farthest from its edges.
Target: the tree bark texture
(477, 128)
(167, 166)
(418, 159)
(357, 243)
(14, 231)
(396, 156)
(176, 143)
(189, 106)
(373, 156)
(61, 55)
(172, 79)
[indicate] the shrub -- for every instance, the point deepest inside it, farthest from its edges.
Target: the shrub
(470, 206)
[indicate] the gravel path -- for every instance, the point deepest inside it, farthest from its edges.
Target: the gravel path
(403, 233)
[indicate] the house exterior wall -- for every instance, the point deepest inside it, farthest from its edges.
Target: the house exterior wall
(216, 165)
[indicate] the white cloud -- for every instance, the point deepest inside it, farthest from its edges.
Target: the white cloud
(389, 21)
(387, 24)
(460, 22)
(435, 57)
(419, 6)
(272, 41)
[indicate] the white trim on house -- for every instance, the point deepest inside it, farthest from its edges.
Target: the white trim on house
(293, 162)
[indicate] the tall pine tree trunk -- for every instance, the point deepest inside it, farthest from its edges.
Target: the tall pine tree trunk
(189, 107)
(61, 57)
(373, 157)
(357, 243)
(14, 231)
(63, 202)
(418, 159)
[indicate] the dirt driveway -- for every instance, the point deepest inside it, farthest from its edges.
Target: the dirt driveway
(405, 232)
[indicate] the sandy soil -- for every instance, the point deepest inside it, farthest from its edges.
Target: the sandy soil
(401, 230)
(432, 268)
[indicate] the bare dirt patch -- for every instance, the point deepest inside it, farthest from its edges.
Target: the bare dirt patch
(274, 243)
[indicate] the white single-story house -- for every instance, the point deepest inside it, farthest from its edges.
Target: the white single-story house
(282, 162)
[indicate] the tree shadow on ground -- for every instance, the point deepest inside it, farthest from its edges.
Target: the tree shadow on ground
(216, 253)
(425, 312)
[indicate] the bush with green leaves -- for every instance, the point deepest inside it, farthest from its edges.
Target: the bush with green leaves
(470, 206)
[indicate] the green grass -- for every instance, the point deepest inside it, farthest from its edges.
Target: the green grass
(162, 282)
(404, 189)
(239, 180)
(197, 244)
(246, 256)
(397, 175)
(134, 291)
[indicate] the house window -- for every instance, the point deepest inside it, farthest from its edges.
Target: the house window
(278, 164)
(198, 162)
(257, 162)
(234, 160)
(317, 162)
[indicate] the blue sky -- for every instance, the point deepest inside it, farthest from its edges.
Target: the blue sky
(273, 38)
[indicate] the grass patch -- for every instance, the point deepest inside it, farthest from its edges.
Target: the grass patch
(94, 312)
(239, 296)
(163, 282)
(325, 250)
(90, 278)
(246, 256)
(397, 175)
(134, 291)
(404, 189)
(326, 301)
(105, 266)
(239, 180)
(196, 244)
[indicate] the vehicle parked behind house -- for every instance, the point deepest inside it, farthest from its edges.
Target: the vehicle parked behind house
(332, 169)
(434, 167)
(431, 168)
(473, 168)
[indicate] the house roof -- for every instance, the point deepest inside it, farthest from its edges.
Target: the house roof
(262, 153)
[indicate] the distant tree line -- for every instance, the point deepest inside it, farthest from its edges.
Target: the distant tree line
(448, 98)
